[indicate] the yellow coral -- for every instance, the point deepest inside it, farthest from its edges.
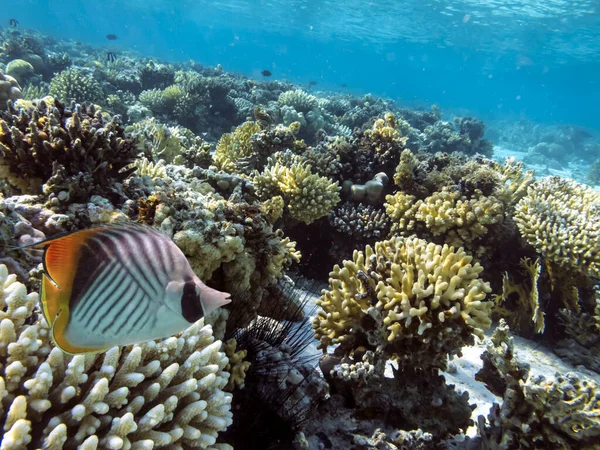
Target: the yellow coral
(272, 208)
(561, 219)
(234, 146)
(418, 300)
(528, 299)
(237, 367)
(308, 196)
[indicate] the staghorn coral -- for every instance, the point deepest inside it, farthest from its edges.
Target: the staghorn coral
(69, 153)
(157, 394)
(409, 299)
(75, 85)
(556, 413)
(560, 218)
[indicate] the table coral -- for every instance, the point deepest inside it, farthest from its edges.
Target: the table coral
(160, 393)
(50, 148)
(560, 218)
(408, 299)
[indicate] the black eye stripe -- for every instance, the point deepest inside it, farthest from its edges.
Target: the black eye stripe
(191, 308)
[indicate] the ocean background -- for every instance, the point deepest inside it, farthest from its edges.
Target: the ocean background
(496, 60)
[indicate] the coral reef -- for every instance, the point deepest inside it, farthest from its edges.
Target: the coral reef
(556, 413)
(417, 301)
(9, 89)
(158, 393)
(75, 85)
(307, 195)
(560, 218)
(68, 153)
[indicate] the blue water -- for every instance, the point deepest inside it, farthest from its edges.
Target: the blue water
(535, 59)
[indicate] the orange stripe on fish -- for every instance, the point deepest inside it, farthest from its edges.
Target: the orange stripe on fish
(60, 260)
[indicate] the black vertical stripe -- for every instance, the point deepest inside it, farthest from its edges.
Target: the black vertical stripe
(122, 313)
(113, 296)
(110, 281)
(119, 246)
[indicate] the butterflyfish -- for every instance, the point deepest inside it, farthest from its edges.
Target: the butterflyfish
(119, 285)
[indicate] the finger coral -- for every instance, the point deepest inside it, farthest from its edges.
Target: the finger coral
(157, 394)
(560, 218)
(308, 196)
(71, 153)
(407, 298)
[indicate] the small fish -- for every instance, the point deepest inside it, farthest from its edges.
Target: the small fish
(312, 83)
(266, 73)
(344, 85)
(111, 37)
(14, 23)
(119, 285)
(111, 56)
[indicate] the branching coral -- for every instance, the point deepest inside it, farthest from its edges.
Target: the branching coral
(70, 153)
(299, 100)
(416, 301)
(384, 140)
(360, 222)
(560, 218)
(557, 413)
(157, 394)
(307, 196)
(235, 146)
(75, 85)
(519, 303)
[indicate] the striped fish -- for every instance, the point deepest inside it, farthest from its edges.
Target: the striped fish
(119, 285)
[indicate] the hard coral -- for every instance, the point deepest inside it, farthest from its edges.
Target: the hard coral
(307, 196)
(70, 153)
(236, 146)
(561, 219)
(9, 89)
(75, 85)
(156, 394)
(557, 413)
(408, 299)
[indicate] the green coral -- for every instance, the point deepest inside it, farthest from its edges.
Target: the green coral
(75, 85)
(560, 218)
